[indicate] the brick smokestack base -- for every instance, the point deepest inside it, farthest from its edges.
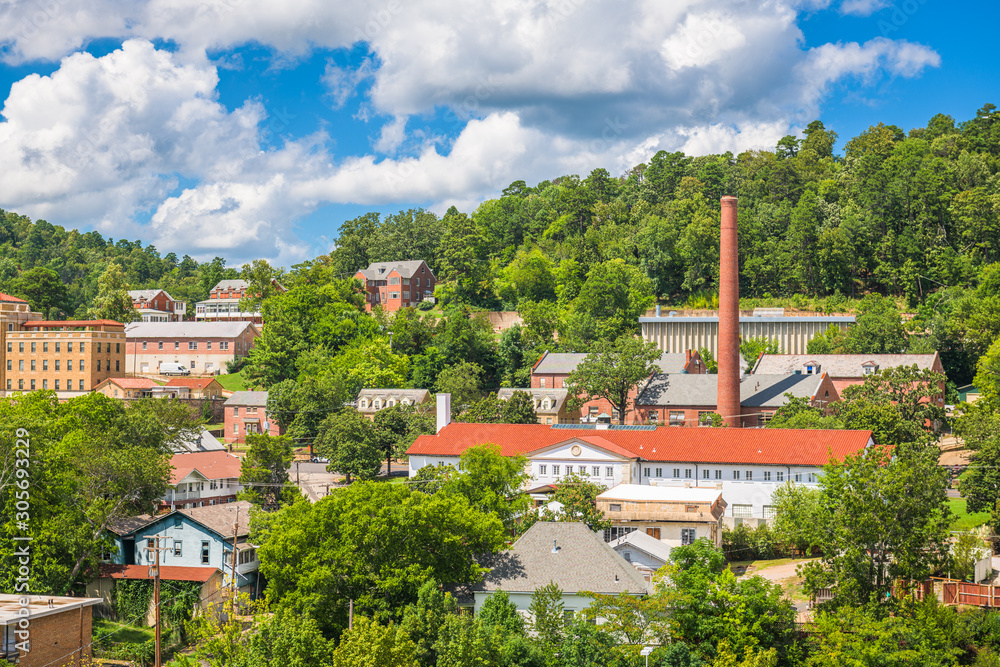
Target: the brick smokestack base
(729, 317)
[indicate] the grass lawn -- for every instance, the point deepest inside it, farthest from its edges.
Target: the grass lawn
(232, 381)
(122, 632)
(964, 520)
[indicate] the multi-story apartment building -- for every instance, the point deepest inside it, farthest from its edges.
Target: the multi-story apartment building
(203, 347)
(246, 414)
(156, 305)
(71, 357)
(395, 285)
(14, 312)
(223, 303)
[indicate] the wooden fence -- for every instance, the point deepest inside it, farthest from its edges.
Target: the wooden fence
(977, 595)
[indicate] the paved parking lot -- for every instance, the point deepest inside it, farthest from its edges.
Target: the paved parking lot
(316, 482)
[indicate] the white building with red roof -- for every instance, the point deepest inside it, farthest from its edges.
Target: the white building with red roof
(202, 478)
(747, 464)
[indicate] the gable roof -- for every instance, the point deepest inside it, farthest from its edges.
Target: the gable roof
(202, 442)
(230, 284)
(148, 294)
(187, 329)
(405, 269)
(702, 390)
(221, 518)
(193, 383)
(563, 363)
(639, 540)
(582, 562)
(762, 446)
(841, 365)
(557, 397)
(414, 395)
(211, 464)
(129, 524)
(13, 299)
(129, 383)
(250, 398)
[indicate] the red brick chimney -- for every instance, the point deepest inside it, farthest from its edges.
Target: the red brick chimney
(729, 317)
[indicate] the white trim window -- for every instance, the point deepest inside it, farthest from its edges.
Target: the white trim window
(688, 535)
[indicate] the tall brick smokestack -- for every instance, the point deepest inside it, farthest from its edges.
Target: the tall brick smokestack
(729, 317)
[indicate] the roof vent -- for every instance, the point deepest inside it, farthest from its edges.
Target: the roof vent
(555, 547)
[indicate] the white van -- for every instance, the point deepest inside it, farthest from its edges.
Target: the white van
(171, 368)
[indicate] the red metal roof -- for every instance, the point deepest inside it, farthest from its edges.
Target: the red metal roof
(194, 383)
(8, 297)
(52, 324)
(168, 572)
(213, 465)
(811, 447)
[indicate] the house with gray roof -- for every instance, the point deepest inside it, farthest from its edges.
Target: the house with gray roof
(690, 400)
(156, 305)
(395, 285)
(550, 404)
(246, 414)
(644, 552)
(567, 554)
(370, 401)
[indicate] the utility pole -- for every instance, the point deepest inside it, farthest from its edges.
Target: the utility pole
(155, 571)
(236, 531)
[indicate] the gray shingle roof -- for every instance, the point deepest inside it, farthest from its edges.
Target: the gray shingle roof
(251, 398)
(147, 294)
(557, 397)
(222, 518)
(230, 284)
(186, 329)
(405, 269)
(562, 363)
(643, 542)
(582, 562)
(839, 365)
(129, 524)
(761, 391)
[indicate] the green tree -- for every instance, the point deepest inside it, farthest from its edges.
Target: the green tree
(752, 348)
(373, 543)
(43, 289)
(612, 371)
(492, 483)
(347, 438)
(518, 409)
(578, 497)
(797, 412)
(262, 283)
(881, 518)
(423, 620)
(264, 473)
(370, 644)
(395, 428)
(463, 381)
(797, 515)
(112, 301)
(548, 620)
(979, 429)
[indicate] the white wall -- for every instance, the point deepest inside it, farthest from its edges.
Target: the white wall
(571, 602)
(418, 462)
(637, 556)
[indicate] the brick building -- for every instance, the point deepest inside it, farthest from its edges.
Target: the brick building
(552, 369)
(246, 413)
(203, 347)
(198, 387)
(14, 312)
(126, 387)
(395, 285)
(687, 400)
(59, 630)
(70, 357)
(223, 303)
(156, 305)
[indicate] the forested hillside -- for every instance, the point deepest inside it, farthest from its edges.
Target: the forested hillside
(57, 270)
(910, 215)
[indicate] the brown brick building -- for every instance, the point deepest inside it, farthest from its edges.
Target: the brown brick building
(156, 305)
(58, 630)
(204, 347)
(14, 312)
(70, 357)
(395, 285)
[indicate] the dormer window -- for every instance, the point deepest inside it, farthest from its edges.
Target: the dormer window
(869, 368)
(812, 368)
(406, 401)
(377, 403)
(391, 402)
(363, 403)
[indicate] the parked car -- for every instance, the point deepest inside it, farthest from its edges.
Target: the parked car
(171, 368)
(320, 459)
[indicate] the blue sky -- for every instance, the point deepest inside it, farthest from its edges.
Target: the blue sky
(250, 128)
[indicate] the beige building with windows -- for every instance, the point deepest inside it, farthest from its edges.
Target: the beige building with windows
(205, 348)
(70, 357)
(371, 401)
(674, 515)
